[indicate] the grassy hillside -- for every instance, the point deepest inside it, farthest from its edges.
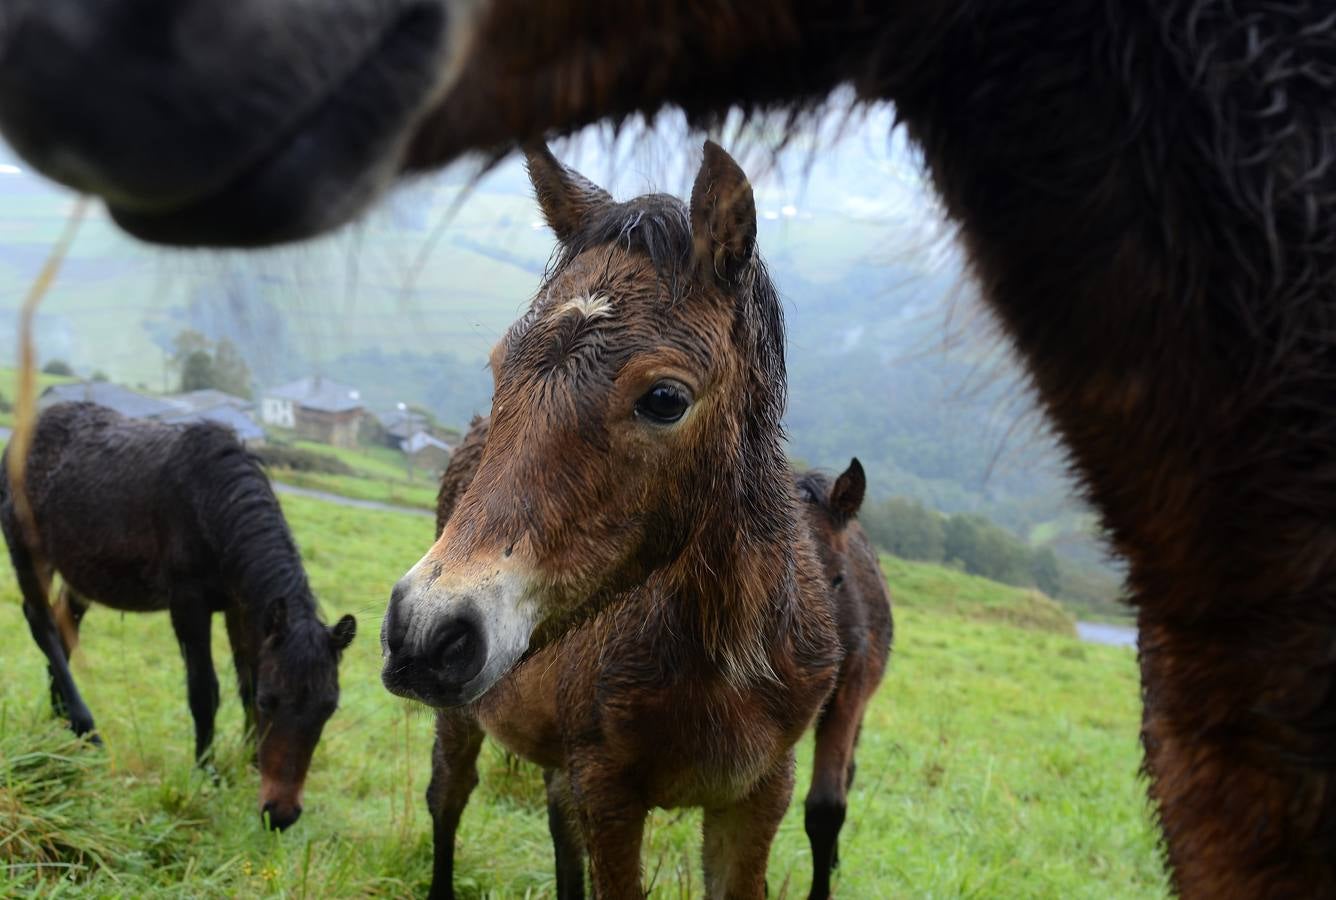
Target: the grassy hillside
(996, 761)
(9, 390)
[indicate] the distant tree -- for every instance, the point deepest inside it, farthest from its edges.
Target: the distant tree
(99, 375)
(961, 541)
(202, 364)
(197, 372)
(57, 367)
(905, 528)
(1046, 572)
(230, 371)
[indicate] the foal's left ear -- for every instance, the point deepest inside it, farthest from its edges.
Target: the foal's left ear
(846, 495)
(343, 632)
(567, 198)
(723, 217)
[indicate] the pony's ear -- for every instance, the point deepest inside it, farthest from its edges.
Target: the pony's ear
(723, 217)
(567, 198)
(846, 495)
(343, 632)
(276, 620)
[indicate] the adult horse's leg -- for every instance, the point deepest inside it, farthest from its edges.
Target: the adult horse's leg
(738, 837)
(34, 578)
(567, 842)
(68, 612)
(243, 658)
(832, 776)
(454, 775)
(191, 619)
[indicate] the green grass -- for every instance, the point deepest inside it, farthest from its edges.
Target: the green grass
(370, 462)
(9, 389)
(378, 474)
(395, 493)
(996, 761)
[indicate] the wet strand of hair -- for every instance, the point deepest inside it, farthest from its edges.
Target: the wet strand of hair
(25, 406)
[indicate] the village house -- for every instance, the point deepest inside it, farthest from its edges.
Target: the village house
(317, 408)
(426, 453)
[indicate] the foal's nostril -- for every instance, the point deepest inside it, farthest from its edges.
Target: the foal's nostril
(396, 623)
(458, 650)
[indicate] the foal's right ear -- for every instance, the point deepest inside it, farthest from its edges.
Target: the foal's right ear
(723, 216)
(567, 198)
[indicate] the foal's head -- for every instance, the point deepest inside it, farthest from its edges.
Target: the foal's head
(830, 506)
(636, 406)
(296, 691)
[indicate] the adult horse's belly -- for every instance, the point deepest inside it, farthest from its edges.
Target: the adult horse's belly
(119, 585)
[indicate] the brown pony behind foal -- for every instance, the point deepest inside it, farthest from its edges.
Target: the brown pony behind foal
(633, 481)
(863, 618)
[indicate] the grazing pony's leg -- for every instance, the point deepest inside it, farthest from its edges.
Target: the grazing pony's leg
(833, 773)
(454, 775)
(243, 658)
(738, 837)
(34, 579)
(567, 841)
(191, 619)
(68, 612)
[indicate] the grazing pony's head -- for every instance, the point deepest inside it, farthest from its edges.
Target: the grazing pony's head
(296, 691)
(634, 404)
(830, 506)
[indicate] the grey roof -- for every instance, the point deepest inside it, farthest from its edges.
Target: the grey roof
(402, 423)
(419, 441)
(209, 397)
(113, 396)
(319, 393)
(224, 414)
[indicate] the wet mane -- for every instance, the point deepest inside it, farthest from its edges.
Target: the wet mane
(258, 554)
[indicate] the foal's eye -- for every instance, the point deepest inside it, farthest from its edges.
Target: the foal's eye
(267, 703)
(664, 403)
(837, 581)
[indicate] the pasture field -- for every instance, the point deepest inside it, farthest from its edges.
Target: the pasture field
(998, 760)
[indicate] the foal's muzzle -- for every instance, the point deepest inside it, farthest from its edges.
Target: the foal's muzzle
(446, 646)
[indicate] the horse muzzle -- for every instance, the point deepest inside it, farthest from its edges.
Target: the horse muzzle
(241, 123)
(447, 644)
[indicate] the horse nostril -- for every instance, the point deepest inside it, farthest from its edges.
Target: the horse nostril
(459, 649)
(279, 820)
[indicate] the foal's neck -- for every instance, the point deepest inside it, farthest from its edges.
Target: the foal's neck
(737, 581)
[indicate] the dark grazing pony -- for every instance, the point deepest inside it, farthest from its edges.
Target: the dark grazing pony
(145, 517)
(863, 620)
(1145, 192)
(633, 512)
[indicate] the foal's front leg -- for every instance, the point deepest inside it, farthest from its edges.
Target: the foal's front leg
(454, 775)
(613, 821)
(191, 621)
(738, 837)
